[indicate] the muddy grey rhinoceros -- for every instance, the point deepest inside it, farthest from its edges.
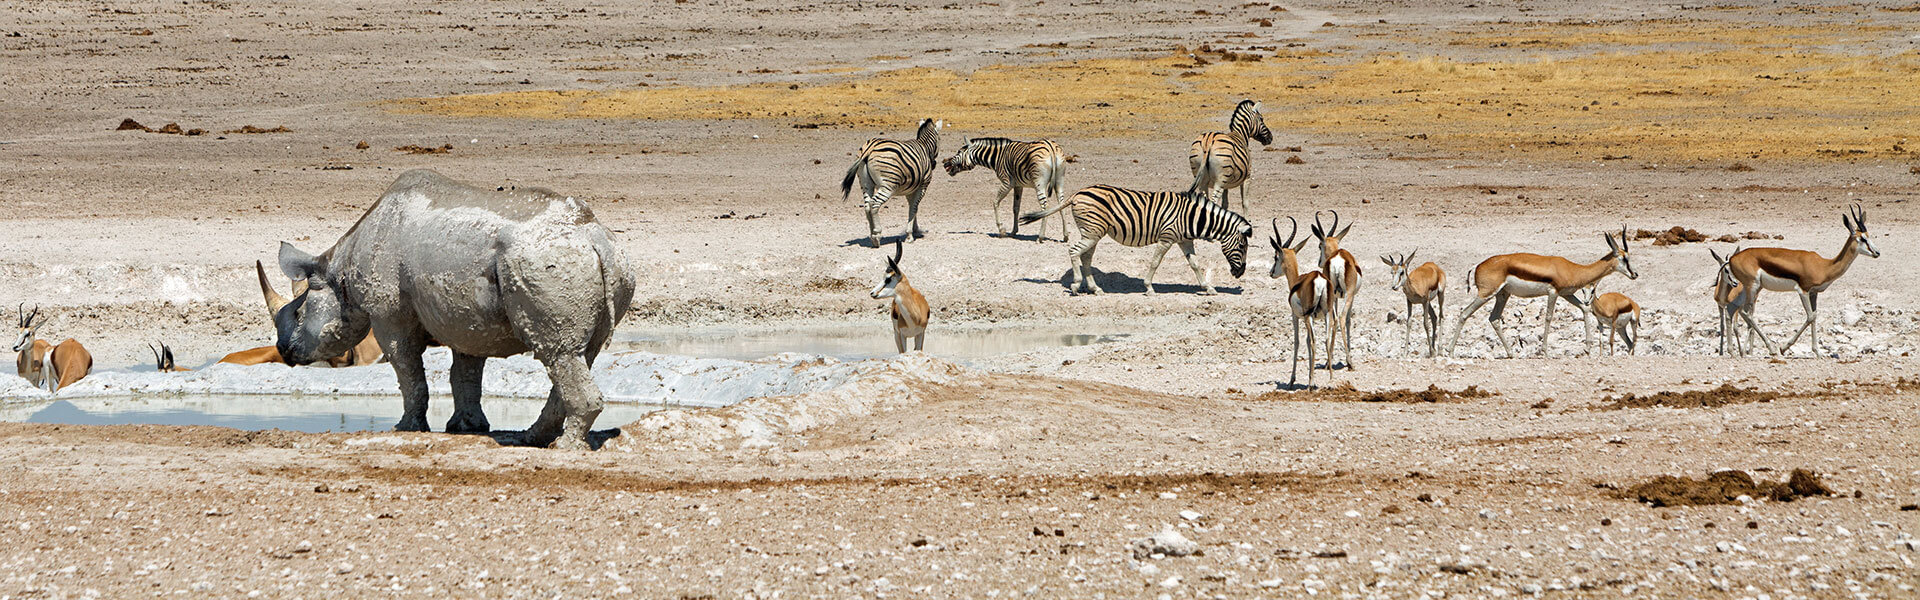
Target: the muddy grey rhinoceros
(486, 272)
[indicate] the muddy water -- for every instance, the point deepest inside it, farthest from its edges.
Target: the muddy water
(313, 414)
(848, 342)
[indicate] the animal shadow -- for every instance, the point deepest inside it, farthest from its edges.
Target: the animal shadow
(1121, 283)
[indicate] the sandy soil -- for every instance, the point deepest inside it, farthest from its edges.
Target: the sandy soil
(711, 136)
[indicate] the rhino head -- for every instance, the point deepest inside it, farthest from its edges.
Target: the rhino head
(322, 322)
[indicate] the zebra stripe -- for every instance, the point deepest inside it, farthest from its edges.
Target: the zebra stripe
(1228, 151)
(1136, 218)
(1038, 165)
(888, 167)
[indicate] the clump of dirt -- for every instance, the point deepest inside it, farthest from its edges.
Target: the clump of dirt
(1295, 160)
(251, 129)
(1675, 235)
(170, 128)
(1347, 393)
(1717, 397)
(832, 284)
(414, 149)
(1725, 487)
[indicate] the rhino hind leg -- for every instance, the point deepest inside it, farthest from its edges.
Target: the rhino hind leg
(465, 377)
(557, 296)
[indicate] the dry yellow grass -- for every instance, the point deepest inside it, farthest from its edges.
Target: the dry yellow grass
(1740, 100)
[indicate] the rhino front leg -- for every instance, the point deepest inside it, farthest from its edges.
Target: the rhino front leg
(412, 375)
(466, 374)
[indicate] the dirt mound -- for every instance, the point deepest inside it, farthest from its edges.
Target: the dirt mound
(417, 149)
(1347, 393)
(1725, 487)
(170, 128)
(252, 129)
(1672, 236)
(1721, 396)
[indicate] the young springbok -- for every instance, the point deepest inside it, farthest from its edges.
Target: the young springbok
(1784, 270)
(163, 359)
(910, 311)
(1308, 296)
(1615, 312)
(1424, 285)
(1344, 273)
(31, 353)
(1733, 300)
(1531, 276)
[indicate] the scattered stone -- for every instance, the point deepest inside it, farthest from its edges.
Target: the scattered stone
(1166, 543)
(1190, 515)
(249, 129)
(415, 149)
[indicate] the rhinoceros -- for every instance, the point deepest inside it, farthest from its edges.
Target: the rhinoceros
(488, 272)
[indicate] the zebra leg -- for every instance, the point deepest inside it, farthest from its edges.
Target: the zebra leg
(913, 214)
(1244, 211)
(1016, 210)
(1200, 275)
(997, 224)
(1159, 252)
(873, 202)
(1082, 258)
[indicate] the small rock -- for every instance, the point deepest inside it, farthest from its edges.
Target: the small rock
(1486, 513)
(1352, 514)
(343, 568)
(1168, 496)
(1167, 542)
(1531, 588)
(1723, 547)
(1171, 582)
(1190, 515)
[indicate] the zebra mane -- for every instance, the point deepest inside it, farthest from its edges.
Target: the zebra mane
(1243, 116)
(992, 140)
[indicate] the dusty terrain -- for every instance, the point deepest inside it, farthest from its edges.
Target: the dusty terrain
(711, 136)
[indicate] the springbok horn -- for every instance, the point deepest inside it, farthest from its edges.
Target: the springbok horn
(1336, 221)
(899, 250)
(1317, 229)
(1295, 232)
(274, 299)
(156, 356)
(1276, 235)
(22, 309)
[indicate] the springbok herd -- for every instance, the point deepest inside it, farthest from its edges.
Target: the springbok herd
(492, 272)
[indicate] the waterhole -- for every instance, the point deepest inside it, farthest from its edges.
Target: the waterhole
(848, 342)
(306, 413)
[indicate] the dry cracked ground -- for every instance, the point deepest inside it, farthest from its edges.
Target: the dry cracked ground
(711, 137)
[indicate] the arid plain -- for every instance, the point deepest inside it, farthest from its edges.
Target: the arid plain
(711, 136)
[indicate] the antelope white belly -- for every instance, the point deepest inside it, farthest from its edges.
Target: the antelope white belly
(1776, 284)
(1522, 288)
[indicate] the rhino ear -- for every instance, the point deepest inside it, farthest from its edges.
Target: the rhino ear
(299, 265)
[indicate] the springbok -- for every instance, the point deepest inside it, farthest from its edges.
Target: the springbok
(1531, 276)
(910, 311)
(1344, 273)
(31, 353)
(1784, 270)
(1732, 300)
(51, 367)
(1307, 298)
(163, 359)
(1615, 312)
(365, 353)
(1425, 285)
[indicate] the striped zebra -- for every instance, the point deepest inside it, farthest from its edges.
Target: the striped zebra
(887, 167)
(1135, 218)
(1038, 165)
(1227, 151)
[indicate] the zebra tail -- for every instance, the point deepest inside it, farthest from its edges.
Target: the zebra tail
(846, 185)
(1204, 178)
(1031, 217)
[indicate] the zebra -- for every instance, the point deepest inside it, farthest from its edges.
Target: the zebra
(1228, 151)
(887, 167)
(1038, 165)
(1135, 218)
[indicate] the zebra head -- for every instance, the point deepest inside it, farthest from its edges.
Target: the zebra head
(1233, 244)
(1248, 122)
(929, 136)
(961, 161)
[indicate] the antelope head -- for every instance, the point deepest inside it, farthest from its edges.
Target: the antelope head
(1285, 253)
(162, 357)
(1329, 240)
(1624, 264)
(1723, 275)
(1399, 263)
(894, 277)
(29, 327)
(1857, 226)
(320, 322)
